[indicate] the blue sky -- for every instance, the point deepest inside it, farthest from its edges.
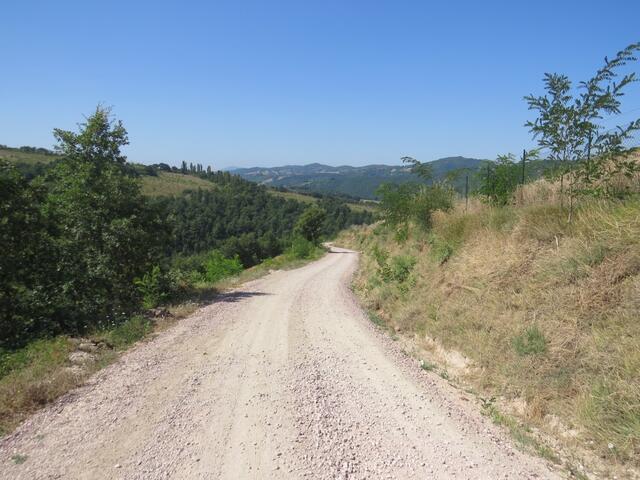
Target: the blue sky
(269, 83)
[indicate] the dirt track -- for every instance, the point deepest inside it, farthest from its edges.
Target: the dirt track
(282, 378)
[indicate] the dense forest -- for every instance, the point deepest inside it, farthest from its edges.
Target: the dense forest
(242, 218)
(83, 249)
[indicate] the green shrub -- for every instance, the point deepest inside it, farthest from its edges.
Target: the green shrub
(301, 248)
(499, 180)
(428, 199)
(530, 342)
(380, 255)
(402, 203)
(128, 332)
(401, 267)
(151, 287)
(217, 266)
(397, 201)
(441, 250)
(402, 233)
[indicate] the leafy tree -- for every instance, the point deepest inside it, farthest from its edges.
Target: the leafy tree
(500, 179)
(310, 223)
(397, 201)
(104, 235)
(402, 203)
(568, 125)
(25, 265)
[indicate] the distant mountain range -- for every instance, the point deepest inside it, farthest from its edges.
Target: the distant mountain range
(360, 182)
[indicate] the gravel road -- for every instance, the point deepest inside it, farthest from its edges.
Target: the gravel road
(283, 377)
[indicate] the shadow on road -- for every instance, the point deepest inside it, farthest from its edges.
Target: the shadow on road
(237, 296)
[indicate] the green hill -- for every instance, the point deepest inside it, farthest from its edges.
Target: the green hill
(358, 182)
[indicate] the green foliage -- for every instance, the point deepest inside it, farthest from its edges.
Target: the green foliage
(614, 415)
(569, 126)
(26, 300)
(402, 233)
(380, 255)
(413, 202)
(394, 269)
(401, 267)
(301, 248)
(103, 234)
(428, 366)
(217, 266)
(46, 352)
(430, 198)
(500, 180)
(84, 250)
(19, 459)
(240, 217)
(441, 250)
(309, 225)
(127, 332)
(377, 320)
(530, 342)
(151, 288)
(396, 202)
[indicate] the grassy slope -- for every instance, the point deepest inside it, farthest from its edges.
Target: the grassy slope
(301, 197)
(172, 184)
(16, 156)
(525, 307)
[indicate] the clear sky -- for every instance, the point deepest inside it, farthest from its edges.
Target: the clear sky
(244, 83)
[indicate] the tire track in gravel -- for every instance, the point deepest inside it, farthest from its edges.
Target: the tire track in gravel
(283, 377)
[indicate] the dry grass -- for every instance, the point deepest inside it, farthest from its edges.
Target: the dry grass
(300, 197)
(546, 311)
(39, 377)
(168, 184)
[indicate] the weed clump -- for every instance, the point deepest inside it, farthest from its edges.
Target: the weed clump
(530, 342)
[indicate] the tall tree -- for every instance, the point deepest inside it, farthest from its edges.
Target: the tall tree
(104, 234)
(310, 224)
(569, 129)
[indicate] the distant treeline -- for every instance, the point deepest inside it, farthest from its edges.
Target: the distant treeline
(27, 149)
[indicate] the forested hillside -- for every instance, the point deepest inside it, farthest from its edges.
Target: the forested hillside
(355, 182)
(86, 250)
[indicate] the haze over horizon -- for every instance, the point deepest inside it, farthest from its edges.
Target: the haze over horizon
(246, 84)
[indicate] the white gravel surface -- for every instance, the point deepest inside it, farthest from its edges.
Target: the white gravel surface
(281, 378)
